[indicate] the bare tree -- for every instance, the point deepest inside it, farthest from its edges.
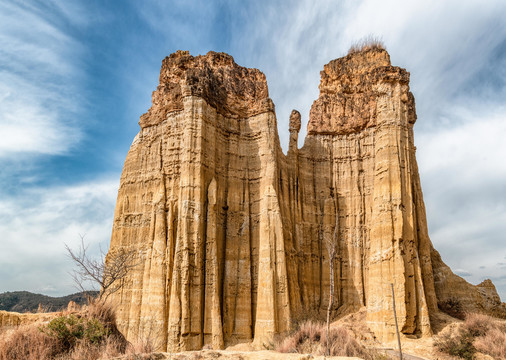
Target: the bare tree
(108, 276)
(331, 244)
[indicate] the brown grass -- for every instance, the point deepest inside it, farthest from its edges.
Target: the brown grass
(310, 338)
(46, 341)
(479, 333)
(369, 42)
(27, 342)
(493, 344)
(478, 324)
(110, 348)
(141, 346)
(489, 335)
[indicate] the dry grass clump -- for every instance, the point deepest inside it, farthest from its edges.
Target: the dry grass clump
(310, 338)
(493, 344)
(28, 343)
(85, 350)
(141, 346)
(369, 42)
(479, 333)
(489, 335)
(76, 335)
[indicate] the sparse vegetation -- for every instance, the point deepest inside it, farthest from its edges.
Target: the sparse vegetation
(369, 42)
(28, 343)
(310, 338)
(85, 335)
(459, 345)
(492, 343)
(69, 329)
(479, 333)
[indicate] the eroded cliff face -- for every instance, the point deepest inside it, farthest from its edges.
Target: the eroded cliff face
(230, 232)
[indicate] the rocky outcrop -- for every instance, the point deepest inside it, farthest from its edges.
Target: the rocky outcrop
(230, 232)
(10, 320)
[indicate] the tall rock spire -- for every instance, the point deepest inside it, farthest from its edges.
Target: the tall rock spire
(230, 232)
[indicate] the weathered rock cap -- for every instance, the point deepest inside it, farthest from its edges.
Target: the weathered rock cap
(234, 91)
(294, 122)
(349, 91)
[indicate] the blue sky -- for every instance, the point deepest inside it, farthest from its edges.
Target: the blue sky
(76, 75)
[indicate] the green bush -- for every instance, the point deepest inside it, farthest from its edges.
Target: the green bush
(86, 335)
(95, 332)
(68, 329)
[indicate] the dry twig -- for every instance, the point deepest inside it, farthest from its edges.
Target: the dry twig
(108, 275)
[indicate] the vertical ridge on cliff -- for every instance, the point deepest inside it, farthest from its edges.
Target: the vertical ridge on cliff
(230, 233)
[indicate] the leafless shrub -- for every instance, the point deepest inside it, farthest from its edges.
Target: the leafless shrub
(458, 345)
(306, 339)
(310, 338)
(108, 276)
(477, 324)
(370, 42)
(493, 343)
(341, 343)
(479, 333)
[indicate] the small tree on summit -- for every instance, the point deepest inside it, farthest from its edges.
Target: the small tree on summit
(108, 277)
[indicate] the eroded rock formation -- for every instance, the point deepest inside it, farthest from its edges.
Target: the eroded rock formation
(231, 233)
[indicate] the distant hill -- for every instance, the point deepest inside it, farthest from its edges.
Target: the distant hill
(24, 301)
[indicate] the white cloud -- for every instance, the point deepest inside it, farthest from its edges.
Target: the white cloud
(442, 44)
(290, 44)
(462, 272)
(473, 145)
(36, 225)
(39, 77)
(463, 175)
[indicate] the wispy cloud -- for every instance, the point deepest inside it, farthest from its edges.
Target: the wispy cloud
(455, 52)
(290, 44)
(39, 77)
(444, 45)
(462, 272)
(35, 226)
(463, 177)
